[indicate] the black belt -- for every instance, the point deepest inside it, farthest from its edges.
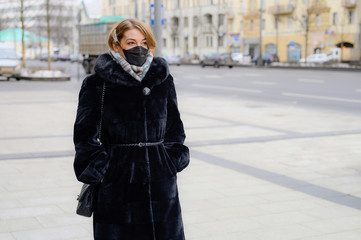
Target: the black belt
(140, 144)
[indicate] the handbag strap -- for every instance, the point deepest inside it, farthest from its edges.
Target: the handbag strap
(101, 115)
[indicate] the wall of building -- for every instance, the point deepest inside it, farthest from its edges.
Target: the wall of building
(240, 23)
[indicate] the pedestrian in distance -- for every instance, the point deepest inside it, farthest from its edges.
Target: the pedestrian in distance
(129, 140)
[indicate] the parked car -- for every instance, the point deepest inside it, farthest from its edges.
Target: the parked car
(44, 57)
(237, 57)
(316, 58)
(172, 59)
(190, 59)
(217, 60)
(267, 59)
(64, 57)
(10, 65)
(76, 58)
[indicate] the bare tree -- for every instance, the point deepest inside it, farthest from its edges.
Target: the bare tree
(48, 29)
(22, 32)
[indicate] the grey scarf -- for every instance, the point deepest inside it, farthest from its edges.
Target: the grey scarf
(138, 72)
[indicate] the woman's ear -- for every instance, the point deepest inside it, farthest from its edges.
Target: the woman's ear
(116, 47)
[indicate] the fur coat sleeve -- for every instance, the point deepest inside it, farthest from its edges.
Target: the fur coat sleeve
(91, 159)
(174, 135)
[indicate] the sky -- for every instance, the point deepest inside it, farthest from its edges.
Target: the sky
(93, 7)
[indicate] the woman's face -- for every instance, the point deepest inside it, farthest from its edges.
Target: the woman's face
(130, 39)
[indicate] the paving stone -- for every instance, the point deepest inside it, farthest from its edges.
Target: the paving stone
(60, 233)
(6, 236)
(22, 224)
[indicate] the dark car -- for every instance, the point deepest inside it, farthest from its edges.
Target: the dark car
(267, 59)
(217, 60)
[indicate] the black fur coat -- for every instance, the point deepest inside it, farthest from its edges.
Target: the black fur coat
(137, 195)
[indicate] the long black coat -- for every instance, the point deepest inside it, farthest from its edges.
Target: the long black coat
(138, 197)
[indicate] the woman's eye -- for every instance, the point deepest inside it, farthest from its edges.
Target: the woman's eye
(144, 43)
(131, 43)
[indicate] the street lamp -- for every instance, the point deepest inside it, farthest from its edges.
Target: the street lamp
(260, 60)
(158, 27)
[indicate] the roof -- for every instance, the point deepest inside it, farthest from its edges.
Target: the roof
(15, 34)
(109, 19)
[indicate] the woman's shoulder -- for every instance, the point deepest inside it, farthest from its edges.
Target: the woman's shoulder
(92, 81)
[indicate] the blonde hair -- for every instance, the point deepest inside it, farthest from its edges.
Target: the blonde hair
(128, 24)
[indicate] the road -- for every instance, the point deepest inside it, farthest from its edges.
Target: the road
(323, 90)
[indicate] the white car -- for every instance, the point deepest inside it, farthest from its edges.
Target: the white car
(316, 58)
(10, 65)
(237, 57)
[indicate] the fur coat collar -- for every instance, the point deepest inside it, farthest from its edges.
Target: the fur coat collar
(111, 72)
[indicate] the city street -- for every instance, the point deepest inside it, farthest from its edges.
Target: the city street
(275, 154)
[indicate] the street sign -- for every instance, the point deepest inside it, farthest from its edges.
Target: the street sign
(152, 15)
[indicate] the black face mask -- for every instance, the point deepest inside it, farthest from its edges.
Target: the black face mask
(136, 55)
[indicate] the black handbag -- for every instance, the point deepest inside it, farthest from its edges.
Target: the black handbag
(86, 196)
(85, 201)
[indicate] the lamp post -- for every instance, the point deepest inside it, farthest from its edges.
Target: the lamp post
(260, 61)
(158, 27)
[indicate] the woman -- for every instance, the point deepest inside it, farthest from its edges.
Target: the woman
(130, 103)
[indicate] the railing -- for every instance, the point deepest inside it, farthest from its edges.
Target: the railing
(349, 3)
(281, 9)
(318, 7)
(252, 13)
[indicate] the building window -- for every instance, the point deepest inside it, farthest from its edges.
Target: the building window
(164, 42)
(351, 17)
(252, 5)
(241, 25)
(263, 4)
(185, 21)
(318, 20)
(114, 11)
(220, 19)
(290, 22)
(252, 25)
(195, 41)
(195, 22)
(209, 42)
(263, 24)
(220, 41)
(335, 19)
(304, 21)
(276, 23)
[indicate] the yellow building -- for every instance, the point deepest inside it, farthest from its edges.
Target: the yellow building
(293, 29)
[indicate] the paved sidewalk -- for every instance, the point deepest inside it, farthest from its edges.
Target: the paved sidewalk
(258, 171)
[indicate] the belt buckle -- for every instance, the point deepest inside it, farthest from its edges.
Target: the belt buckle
(140, 144)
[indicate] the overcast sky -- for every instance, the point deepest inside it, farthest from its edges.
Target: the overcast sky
(93, 7)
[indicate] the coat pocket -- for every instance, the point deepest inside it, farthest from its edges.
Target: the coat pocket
(168, 162)
(179, 154)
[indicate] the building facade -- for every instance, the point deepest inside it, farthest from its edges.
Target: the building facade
(190, 27)
(291, 29)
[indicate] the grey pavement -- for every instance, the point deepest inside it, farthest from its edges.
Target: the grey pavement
(258, 170)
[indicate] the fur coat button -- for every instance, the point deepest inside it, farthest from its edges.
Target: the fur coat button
(146, 91)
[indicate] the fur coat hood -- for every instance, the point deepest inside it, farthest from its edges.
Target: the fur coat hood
(112, 72)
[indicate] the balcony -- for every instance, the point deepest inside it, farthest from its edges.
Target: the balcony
(349, 3)
(251, 14)
(318, 7)
(281, 9)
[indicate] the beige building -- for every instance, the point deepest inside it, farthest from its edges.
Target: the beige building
(292, 29)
